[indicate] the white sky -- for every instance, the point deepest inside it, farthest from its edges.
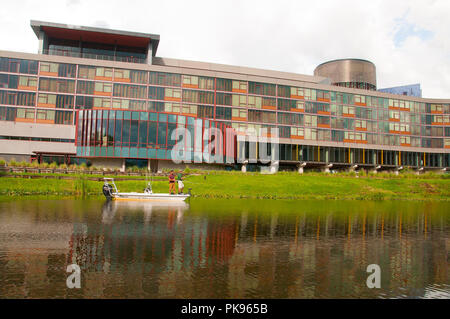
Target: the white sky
(409, 41)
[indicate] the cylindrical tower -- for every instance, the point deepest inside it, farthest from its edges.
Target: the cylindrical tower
(351, 73)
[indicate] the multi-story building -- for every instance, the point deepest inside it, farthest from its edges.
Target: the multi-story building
(104, 96)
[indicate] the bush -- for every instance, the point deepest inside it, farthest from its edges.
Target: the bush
(187, 170)
(62, 166)
(34, 164)
(12, 162)
(53, 165)
(83, 167)
(44, 165)
(2, 162)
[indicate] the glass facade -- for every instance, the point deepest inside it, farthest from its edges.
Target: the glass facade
(151, 135)
(51, 93)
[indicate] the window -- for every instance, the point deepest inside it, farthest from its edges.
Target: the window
(297, 132)
(132, 91)
(205, 111)
(189, 109)
(261, 116)
(360, 124)
(27, 83)
(26, 99)
(121, 75)
(48, 68)
(166, 79)
(297, 93)
(26, 114)
(405, 140)
(28, 67)
(190, 81)
(310, 94)
(239, 114)
(46, 100)
(102, 88)
(103, 74)
(133, 76)
(7, 113)
(67, 70)
(86, 72)
(45, 116)
(121, 104)
(262, 88)
(84, 102)
(269, 103)
(85, 87)
(101, 102)
(254, 101)
(205, 83)
(64, 101)
(156, 93)
(310, 134)
(239, 86)
(172, 94)
(8, 81)
(172, 107)
(223, 113)
(360, 99)
(64, 117)
(394, 115)
(57, 85)
(284, 91)
(239, 100)
(323, 96)
(224, 85)
(17, 98)
(436, 108)
(198, 96)
(310, 120)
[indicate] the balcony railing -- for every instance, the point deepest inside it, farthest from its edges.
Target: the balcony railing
(129, 59)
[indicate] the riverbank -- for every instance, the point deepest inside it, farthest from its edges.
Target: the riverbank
(346, 186)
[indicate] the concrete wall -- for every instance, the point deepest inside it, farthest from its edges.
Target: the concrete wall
(15, 148)
(16, 157)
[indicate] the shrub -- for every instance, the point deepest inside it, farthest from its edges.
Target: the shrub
(12, 162)
(23, 164)
(83, 167)
(187, 170)
(63, 166)
(34, 164)
(2, 162)
(53, 165)
(44, 165)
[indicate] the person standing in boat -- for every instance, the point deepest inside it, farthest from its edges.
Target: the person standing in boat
(172, 183)
(180, 182)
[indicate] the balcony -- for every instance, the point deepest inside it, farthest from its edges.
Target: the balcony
(67, 53)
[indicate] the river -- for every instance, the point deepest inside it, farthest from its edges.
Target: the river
(223, 249)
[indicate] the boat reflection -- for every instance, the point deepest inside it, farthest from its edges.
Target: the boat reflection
(111, 209)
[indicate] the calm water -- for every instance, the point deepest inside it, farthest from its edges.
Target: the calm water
(224, 249)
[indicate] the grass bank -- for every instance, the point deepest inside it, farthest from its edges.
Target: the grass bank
(254, 185)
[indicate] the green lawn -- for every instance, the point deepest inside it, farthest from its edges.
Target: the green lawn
(251, 185)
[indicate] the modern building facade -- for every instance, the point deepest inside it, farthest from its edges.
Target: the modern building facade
(409, 90)
(104, 96)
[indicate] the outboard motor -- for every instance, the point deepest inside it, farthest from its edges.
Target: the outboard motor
(107, 191)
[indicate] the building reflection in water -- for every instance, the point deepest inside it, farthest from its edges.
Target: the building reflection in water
(136, 250)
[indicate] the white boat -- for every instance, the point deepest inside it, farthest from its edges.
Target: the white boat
(112, 193)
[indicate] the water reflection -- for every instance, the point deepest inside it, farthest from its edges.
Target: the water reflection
(223, 249)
